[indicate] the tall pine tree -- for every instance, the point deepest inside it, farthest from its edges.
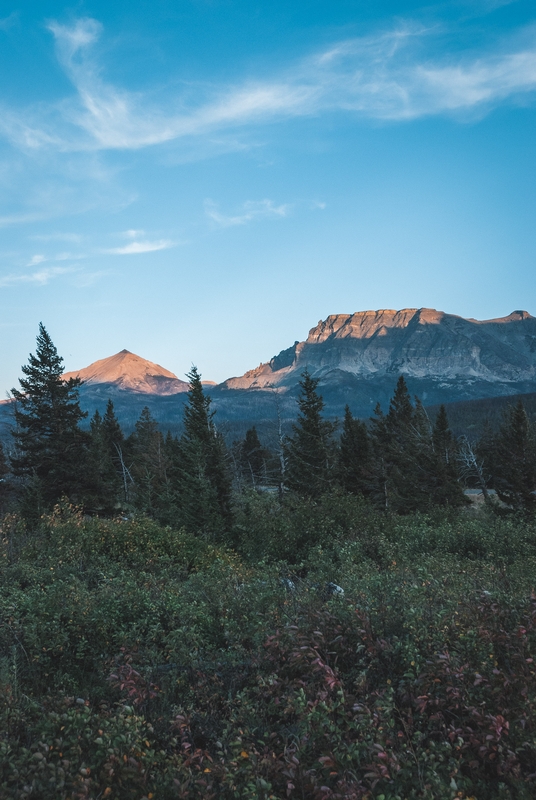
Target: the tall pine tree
(50, 448)
(115, 443)
(4, 480)
(253, 458)
(149, 463)
(445, 478)
(403, 454)
(310, 451)
(103, 491)
(514, 460)
(205, 486)
(354, 455)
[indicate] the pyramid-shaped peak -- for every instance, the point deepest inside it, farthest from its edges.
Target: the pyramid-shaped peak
(126, 370)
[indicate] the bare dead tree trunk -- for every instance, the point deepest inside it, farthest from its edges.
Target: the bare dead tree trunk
(125, 472)
(472, 467)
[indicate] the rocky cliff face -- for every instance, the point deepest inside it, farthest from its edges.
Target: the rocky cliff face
(419, 343)
(127, 371)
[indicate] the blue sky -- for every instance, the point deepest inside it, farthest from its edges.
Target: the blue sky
(201, 181)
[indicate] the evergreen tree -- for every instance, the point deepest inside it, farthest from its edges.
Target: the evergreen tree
(514, 462)
(103, 486)
(445, 484)
(410, 451)
(205, 484)
(478, 458)
(4, 479)
(442, 436)
(403, 454)
(310, 452)
(170, 491)
(253, 458)
(401, 412)
(115, 443)
(50, 447)
(380, 460)
(149, 463)
(111, 429)
(354, 455)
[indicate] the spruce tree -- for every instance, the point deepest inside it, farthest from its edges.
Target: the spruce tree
(514, 460)
(403, 454)
(149, 463)
(310, 451)
(354, 455)
(410, 451)
(111, 429)
(168, 509)
(253, 458)
(103, 487)
(205, 484)
(4, 479)
(445, 479)
(50, 447)
(115, 442)
(380, 460)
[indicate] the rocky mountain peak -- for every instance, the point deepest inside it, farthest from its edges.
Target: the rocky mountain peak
(128, 371)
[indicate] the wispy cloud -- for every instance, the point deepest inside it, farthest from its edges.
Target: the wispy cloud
(396, 75)
(59, 237)
(251, 210)
(82, 280)
(140, 247)
(133, 234)
(20, 219)
(7, 22)
(37, 259)
(39, 278)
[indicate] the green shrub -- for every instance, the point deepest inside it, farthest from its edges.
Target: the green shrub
(136, 659)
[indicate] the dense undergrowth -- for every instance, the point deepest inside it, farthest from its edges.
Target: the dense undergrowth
(138, 661)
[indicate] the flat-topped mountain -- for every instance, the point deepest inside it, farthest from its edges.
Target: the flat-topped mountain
(129, 372)
(419, 343)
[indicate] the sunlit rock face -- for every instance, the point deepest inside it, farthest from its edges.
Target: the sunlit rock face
(419, 343)
(130, 372)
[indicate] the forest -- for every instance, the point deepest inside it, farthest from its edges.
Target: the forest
(333, 617)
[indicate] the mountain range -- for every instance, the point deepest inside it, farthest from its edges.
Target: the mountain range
(356, 357)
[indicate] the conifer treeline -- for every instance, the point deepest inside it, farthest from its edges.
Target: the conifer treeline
(400, 461)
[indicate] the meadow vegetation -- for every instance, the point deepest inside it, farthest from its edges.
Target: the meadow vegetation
(140, 661)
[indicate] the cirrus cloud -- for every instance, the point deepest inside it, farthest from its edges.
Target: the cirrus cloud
(134, 248)
(39, 278)
(251, 210)
(397, 75)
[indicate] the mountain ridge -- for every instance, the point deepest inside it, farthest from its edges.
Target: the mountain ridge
(420, 343)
